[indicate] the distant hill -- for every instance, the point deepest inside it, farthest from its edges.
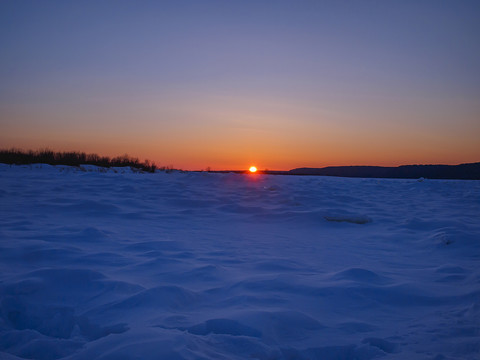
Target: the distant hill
(462, 172)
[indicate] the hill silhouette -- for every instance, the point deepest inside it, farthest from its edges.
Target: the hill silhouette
(469, 171)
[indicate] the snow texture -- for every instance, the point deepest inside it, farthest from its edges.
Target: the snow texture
(115, 264)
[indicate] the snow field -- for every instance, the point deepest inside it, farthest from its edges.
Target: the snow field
(121, 265)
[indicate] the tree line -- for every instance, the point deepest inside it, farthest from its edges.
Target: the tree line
(72, 158)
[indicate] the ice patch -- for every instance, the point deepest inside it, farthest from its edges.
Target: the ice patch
(223, 326)
(354, 219)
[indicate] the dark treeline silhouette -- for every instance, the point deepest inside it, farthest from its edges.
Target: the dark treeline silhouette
(72, 158)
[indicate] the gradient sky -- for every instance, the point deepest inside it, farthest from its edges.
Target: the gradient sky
(227, 84)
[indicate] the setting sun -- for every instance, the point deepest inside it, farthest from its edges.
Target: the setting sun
(253, 169)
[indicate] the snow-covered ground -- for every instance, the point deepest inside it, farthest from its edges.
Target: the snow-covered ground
(105, 265)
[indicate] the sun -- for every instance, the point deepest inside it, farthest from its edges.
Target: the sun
(252, 169)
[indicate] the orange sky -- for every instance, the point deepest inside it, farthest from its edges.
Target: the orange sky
(227, 85)
(270, 140)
